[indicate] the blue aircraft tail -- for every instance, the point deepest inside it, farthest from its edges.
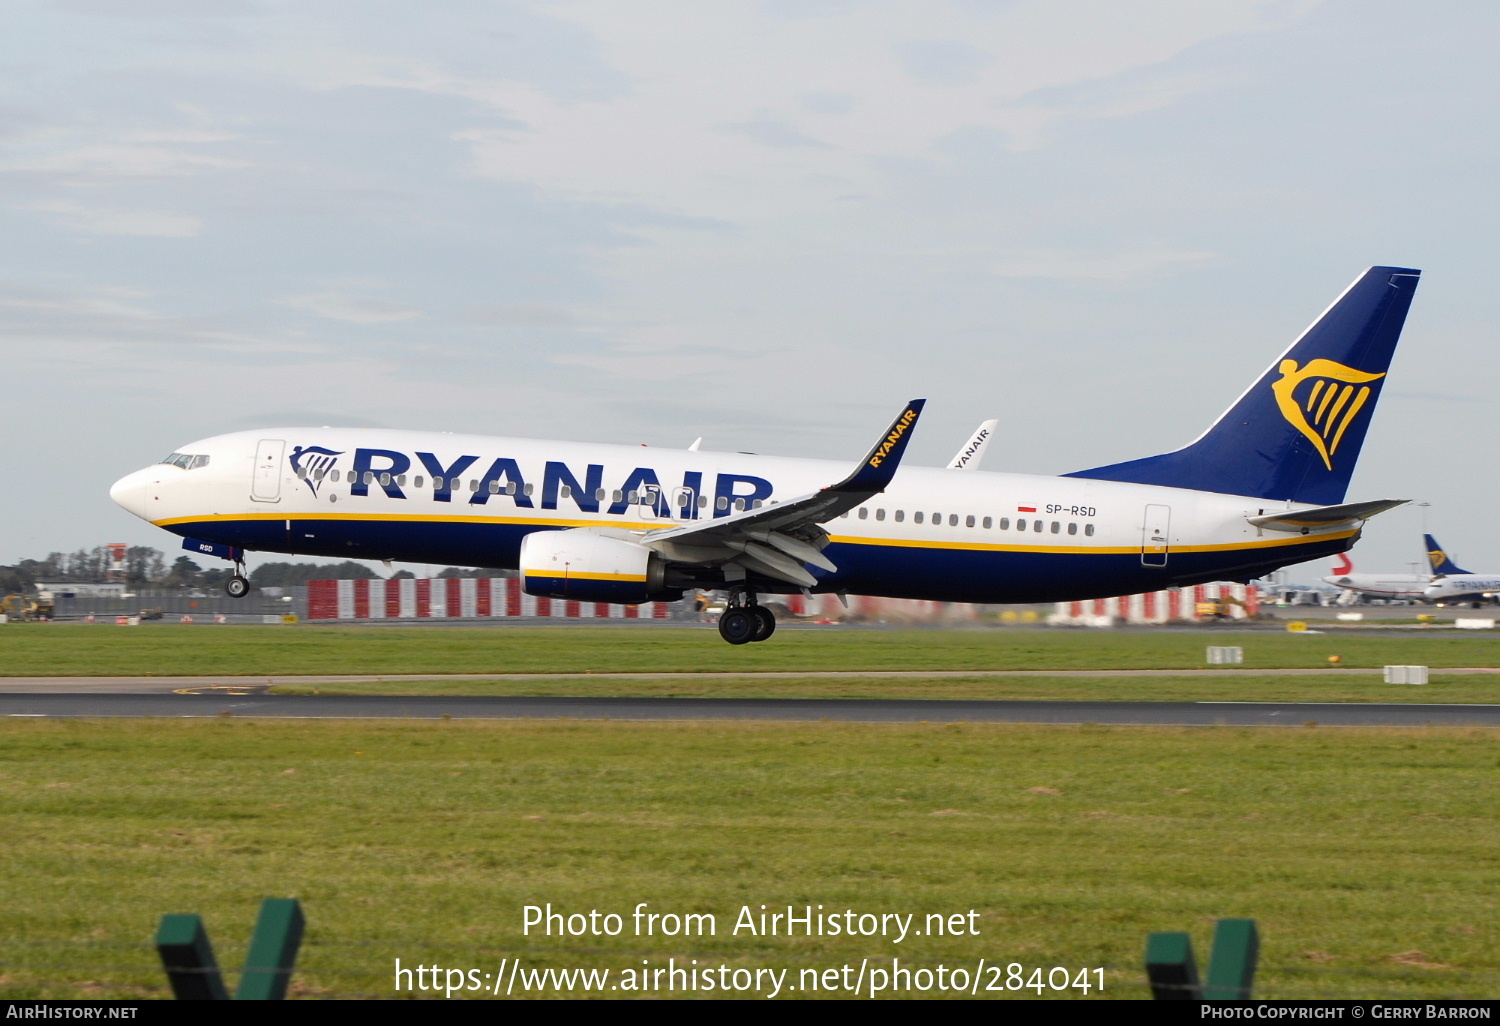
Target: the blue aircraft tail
(1295, 435)
(1442, 566)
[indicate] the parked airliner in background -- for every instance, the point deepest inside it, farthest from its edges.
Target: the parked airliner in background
(1453, 586)
(1384, 586)
(1262, 488)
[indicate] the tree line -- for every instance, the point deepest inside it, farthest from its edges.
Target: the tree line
(146, 567)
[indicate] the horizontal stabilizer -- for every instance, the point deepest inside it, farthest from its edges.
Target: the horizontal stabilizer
(1323, 518)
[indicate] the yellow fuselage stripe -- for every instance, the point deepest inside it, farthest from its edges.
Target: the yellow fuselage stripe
(573, 576)
(906, 543)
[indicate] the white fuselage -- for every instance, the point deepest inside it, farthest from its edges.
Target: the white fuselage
(934, 533)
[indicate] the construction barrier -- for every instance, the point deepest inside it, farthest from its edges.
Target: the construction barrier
(1191, 604)
(454, 597)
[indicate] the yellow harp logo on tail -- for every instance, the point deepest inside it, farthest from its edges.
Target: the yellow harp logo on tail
(1323, 411)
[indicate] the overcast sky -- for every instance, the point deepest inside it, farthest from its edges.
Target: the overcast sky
(766, 222)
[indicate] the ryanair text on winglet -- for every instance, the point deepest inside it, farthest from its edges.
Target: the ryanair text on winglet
(906, 420)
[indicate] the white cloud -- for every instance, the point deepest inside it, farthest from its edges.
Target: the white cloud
(697, 68)
(340, 306)
(106, 163)
(1096, 266)
(110, 221)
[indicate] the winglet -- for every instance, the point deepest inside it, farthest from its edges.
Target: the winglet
(880, 463)
(973, 451)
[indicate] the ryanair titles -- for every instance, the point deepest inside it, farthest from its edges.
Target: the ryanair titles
(470, 480)
(893, 440)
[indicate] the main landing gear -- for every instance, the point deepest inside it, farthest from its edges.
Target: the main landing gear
(238, 586)
(744, 621)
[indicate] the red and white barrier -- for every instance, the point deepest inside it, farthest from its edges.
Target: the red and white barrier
(1173, 604)
(454, 598)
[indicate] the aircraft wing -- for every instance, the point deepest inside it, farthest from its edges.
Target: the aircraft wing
(969, 456)
(779, 539)
(1321, 518)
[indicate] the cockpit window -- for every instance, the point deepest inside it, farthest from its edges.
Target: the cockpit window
(186, 461)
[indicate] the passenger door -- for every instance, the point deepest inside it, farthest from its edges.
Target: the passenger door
(265, 486)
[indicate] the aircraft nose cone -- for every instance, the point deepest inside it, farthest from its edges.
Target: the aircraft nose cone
(129, 493)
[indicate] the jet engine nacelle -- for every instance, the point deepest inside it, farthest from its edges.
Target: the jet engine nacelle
(588, 567)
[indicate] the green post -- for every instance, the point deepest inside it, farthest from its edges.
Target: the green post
(1231, 967)
(1170, 967)
(188, 959)
(273, 951)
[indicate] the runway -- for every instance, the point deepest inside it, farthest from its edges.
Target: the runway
(243, 702)
(149, 685)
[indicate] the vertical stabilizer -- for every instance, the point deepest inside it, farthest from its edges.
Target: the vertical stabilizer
(1295, 435)
(1442, 566)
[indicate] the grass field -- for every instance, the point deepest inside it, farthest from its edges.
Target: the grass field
(170, 649)
(1367, 857)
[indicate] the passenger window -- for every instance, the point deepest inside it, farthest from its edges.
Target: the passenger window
(1005, 523)
(739, 505)
(900, 515)
(723, 502)
(1088, 530)
(599, 494)
(1056, 527)
(917, 517)
(369, 477)
(335, 477)
(494, 487)
(988, 523)
(473, 484)
(758, 503)
(437, 482)
(969, 521)
(1020, 525)
(633, 498)
(880, 514)
(385, 479)
(703, 502)
(1072, 528)
(401, 480)
(566, 491)
(844, 515)
(510, 488)
(416, 482)
(528, 489)
(937, 520)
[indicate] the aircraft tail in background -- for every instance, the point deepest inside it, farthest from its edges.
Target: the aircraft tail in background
(1442, 566)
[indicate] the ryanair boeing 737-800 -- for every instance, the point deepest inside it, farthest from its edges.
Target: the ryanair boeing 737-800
(1261, 489)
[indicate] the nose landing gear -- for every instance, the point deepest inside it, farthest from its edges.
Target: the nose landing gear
(744, 620)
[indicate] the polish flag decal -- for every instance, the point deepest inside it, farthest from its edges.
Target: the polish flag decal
(1025, 509)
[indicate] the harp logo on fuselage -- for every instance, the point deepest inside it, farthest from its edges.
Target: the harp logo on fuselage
(1325, 408)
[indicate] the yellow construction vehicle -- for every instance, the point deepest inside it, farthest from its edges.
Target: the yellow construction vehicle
(1219, 609)
(19, 607)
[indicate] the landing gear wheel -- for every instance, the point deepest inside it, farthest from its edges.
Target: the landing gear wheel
(765, 623)
(738, 625)
(237, 587)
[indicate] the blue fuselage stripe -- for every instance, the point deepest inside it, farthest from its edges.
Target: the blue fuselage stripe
(895, 571)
